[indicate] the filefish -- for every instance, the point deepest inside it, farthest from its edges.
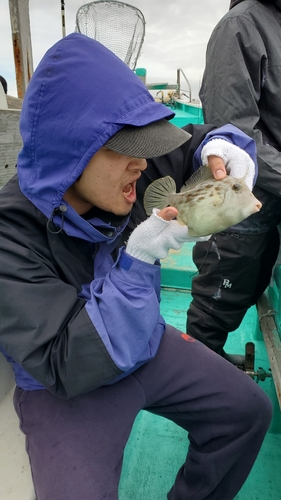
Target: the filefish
(205, 205)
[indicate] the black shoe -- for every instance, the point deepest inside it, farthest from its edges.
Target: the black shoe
(235, 359)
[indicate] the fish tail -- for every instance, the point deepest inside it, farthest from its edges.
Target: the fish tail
(156, 195)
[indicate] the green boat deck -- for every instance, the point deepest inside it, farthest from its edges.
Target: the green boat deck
(157, 447)
(187, 113)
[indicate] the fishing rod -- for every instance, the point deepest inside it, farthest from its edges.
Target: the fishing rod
(63, 18)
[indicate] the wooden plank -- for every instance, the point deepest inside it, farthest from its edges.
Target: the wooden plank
(271, 340)
(20, 24)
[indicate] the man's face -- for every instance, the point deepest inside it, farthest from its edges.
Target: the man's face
(108, 182)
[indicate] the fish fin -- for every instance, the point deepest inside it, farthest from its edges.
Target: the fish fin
(245, 175)
(156, 194)
(202, 174)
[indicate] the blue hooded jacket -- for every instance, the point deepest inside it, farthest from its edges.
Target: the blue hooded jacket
(79, 96)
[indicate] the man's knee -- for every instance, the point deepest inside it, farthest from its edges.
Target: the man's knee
(251, 407)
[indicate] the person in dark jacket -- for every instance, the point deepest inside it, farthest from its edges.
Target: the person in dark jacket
(241, 86)
(80, 316)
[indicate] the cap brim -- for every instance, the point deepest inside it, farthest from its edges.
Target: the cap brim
(155, 139)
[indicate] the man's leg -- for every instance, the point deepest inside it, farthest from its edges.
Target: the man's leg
(224, 411)
(234, 269)
(76, 446)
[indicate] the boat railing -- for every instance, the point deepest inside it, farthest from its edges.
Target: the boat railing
(268, 308)
(179, 90)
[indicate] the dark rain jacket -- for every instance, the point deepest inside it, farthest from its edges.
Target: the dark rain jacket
(241, 85)
(76, 310)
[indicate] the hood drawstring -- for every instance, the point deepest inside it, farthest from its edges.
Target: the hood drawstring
(57, 211)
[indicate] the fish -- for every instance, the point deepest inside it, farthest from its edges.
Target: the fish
(204, 204)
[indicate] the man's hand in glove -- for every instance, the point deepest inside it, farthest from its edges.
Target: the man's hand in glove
(153, 238)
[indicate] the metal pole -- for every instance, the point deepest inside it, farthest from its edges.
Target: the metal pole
(63, 18)
(179, 71)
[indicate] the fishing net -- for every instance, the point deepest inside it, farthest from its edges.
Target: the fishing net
(117, 25)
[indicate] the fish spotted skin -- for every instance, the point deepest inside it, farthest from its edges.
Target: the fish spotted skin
(205, 205)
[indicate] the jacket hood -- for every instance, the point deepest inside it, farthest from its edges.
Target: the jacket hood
(80, 95)
(277, 3)
(234, 2)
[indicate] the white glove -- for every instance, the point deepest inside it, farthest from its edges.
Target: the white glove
(153, 238)
(237, 162)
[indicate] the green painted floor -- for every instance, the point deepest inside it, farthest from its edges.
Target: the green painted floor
(157, 447)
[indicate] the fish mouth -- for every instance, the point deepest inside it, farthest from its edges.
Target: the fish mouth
(258, 206)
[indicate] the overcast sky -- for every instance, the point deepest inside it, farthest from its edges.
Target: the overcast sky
(177, 32)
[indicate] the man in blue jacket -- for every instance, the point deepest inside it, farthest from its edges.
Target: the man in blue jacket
(80, 319)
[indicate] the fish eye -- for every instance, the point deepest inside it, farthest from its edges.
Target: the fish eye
(236, 186)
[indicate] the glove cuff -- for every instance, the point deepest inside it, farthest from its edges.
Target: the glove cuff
(215, 147)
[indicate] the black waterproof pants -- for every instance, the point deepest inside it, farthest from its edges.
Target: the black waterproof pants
(234, 270)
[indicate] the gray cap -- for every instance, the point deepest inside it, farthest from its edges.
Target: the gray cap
(155, 139)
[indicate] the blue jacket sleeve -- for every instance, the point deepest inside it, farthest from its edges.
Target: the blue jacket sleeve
(233, 135)
(124, 307)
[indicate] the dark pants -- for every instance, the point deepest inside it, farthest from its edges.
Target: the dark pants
(234, 270)
(76, 446)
